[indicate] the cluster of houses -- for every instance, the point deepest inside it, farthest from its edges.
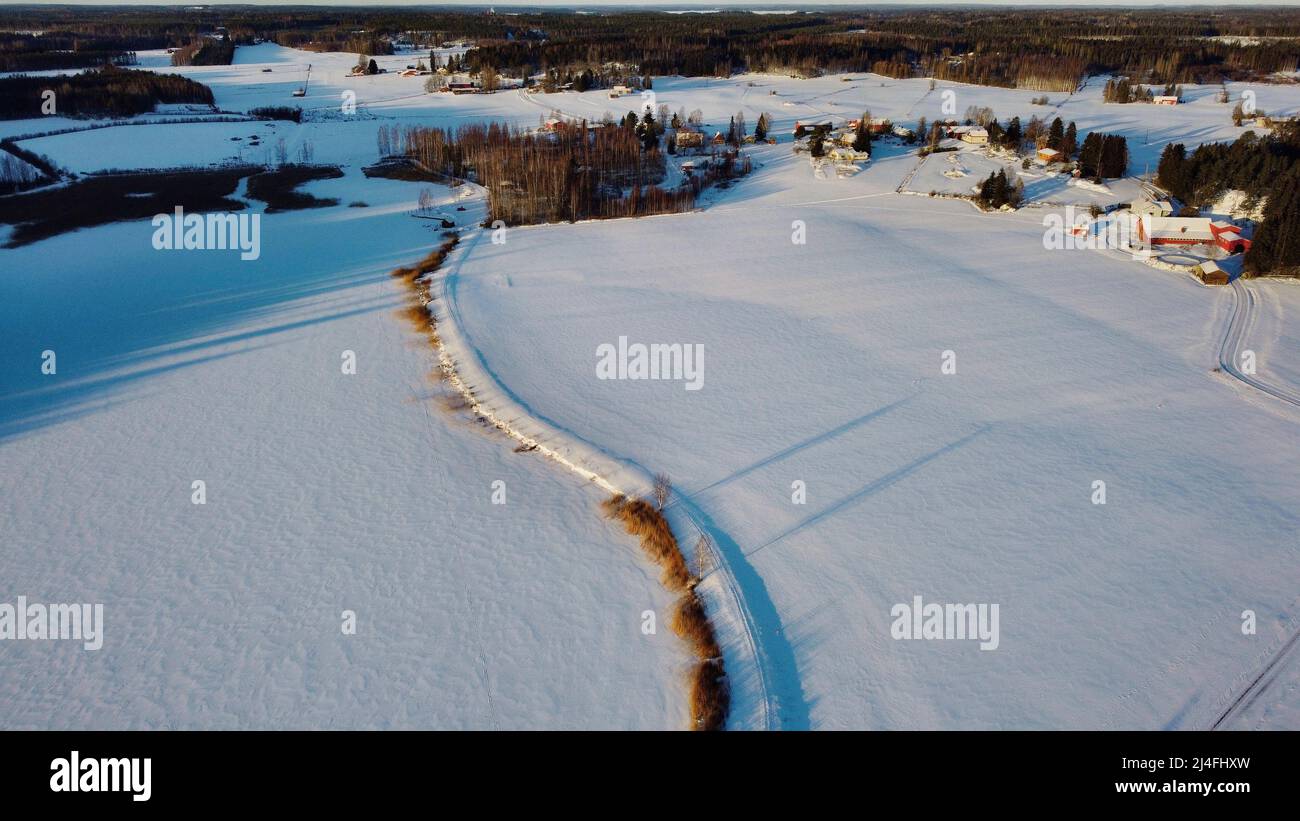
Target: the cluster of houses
(973, 134)
(691, 139)
(841, 148)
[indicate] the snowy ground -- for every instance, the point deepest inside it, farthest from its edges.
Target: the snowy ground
(961, 172)
(331, 492)
(823, 366)
(400, 100)
(325, 492)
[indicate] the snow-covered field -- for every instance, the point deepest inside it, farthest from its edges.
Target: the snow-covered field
(822, 370)
(823, 367)
(326, 492)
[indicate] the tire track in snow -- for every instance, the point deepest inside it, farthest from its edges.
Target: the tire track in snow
(1234, 338)
(1259, 684)
(443, 290)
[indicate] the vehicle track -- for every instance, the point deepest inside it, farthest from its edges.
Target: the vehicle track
(1234, 337)
(444, 286)
(1230, 349)
(1259, 684)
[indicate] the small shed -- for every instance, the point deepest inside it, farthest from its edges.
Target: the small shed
(1211, 274)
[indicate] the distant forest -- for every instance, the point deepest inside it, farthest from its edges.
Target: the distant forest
(109, 91)
(1045, 49)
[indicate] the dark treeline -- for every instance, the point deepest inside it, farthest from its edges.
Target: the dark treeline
(335, 41)
(1252, 164)
(102, 199)
(110, 91)
(37, 38)
(51, 51)
(1265, 168)
(1044, 49)
(576, 172)
(1049, 49)
(205, 52)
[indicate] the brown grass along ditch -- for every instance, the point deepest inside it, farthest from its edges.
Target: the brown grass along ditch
(710, 694)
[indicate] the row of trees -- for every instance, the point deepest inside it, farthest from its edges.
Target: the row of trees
(205, 52)
(1103, 156)
(110, 91)
(997, 191)
(1122, 91)
(1047, 49)
(1251, 164)
(577, 172)
(15, 174)
(1275, 248)
(1053, 49)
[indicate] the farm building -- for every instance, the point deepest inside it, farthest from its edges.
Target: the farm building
(876, 125)
(1159, 208)
(802, 129)
(976, 136)
(843, 154)
(1211, 274)
(1191, 231)
(462, 88)
(689, 139)
(1165, 99)
(1049, 155)
(1228, 237)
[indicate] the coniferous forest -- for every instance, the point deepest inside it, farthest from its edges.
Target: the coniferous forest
(1048, 49)
(108, 91)
(1267, 169)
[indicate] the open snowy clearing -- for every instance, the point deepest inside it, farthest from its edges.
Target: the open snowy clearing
(393, 99)
(325, 492)
(823, 367)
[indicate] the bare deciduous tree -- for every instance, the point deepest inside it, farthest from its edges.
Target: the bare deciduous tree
(663, 488)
